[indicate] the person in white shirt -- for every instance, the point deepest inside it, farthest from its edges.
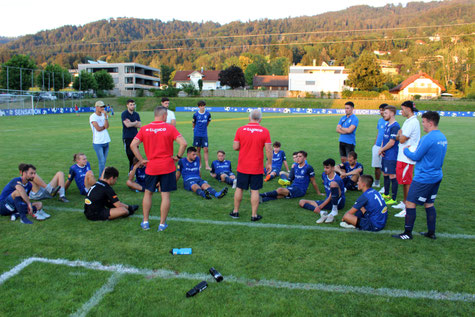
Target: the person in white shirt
(171, 119)
(99, 122)
(409, 135)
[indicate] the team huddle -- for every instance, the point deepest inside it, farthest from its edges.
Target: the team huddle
(397, 152)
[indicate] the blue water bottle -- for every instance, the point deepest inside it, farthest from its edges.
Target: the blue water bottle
(180, 251)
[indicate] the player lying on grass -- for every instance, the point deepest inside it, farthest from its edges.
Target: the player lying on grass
(335, 191)
(14, 200)
(189, 168)
(278, 158)
(350, 171)
(81, 172)
(369, 211)
(102, 203)
(137, 171)
(222, 171)
(301, 175)
(284, 176)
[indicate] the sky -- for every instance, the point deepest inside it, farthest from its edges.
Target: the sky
(31, 16)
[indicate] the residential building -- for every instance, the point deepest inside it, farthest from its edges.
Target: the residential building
(271, 82)
(419, 84)
(387, 67)
(210, 79)
(318, 78)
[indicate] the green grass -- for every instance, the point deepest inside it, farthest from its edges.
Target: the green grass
(291, 255)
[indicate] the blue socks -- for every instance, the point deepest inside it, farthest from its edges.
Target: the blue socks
(211, 191)
(409, 220)
(394, 185)
(431, 217)
(387, 183)
(334, 193)
(272, 194)
(283, 176)
(200, 192)
(228, 180)
(309, 206)
(20, 206)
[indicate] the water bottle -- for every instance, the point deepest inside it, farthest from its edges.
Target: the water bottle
(217, 276)
(180, 251)
(197, 289)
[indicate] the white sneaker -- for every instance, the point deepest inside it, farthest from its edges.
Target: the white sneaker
(382, 190)
(401, 205)
(330, 218)
(376, 185)
(401, 214)
(14, 217)
(322, 219)
(234, 183)
(346, 225)
(38, 216)
(43, 214)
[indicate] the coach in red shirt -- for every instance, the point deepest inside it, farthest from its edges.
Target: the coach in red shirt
(157, 138)
(249, 141)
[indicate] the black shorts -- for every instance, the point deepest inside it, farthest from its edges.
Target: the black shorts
(167, 182)
(99, 214)
(246, 180)
(346, 148)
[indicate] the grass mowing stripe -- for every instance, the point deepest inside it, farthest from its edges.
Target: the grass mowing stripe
(278, 226)
(97, 297)
(121, 269)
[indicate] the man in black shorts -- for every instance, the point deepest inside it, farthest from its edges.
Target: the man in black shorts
(101, 201)
(347, 129)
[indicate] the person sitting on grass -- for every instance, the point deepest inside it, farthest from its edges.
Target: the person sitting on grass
(81, 172)
(189, 167)
(301, 175)
(369, 212)
(221, 170)
(137, 171)
(335, 191)
(284, 176)
(41, 190)
(102, 203)
(350, 171)
(278, 158)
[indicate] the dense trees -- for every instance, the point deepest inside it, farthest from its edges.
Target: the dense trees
(232, 76)
(366, 73)
(18, 73)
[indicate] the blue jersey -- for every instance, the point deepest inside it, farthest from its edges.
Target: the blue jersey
(218, 167)
(346, 122)
(201, 123)
(79, 174)
(10, 187)
(300, 176)
(189, 170)
(327, 181)
(375, 207)
(278, 159)
(429, 157)
(140, 176)
(348, 167)
(390, 133)
(381, 126)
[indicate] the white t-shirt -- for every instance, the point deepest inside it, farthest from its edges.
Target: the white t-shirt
(99, 137)
(412, 130)
(170, 116)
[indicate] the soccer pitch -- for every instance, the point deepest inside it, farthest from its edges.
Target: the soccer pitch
(283, 265)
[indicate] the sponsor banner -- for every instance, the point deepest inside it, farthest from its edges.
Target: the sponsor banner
(40, 111)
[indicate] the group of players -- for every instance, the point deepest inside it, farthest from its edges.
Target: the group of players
(395, 152)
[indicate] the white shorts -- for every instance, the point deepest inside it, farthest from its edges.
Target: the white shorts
(376, 161)
(42, 193)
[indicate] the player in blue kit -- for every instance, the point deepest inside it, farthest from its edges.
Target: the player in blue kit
(201, 120)
(137, 171)
(389, 149)
(301, 175)
(429, 157)
(335, 192)
(222, 171)
(278, 158)
(347, 129)
(81, 172)
(369, 212)
(189, 168)
(376, 158)
(350, 171)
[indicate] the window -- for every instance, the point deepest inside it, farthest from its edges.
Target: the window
(129, 69)
(310, 83)
(129, 80)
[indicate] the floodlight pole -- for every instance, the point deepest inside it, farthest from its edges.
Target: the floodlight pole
(8, 79)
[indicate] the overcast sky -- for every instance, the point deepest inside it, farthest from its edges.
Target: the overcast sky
(20, 17)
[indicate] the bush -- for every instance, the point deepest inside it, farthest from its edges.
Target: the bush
(139, 93)
(190, 90)
(168, 92)
(101, 94)
(417, 97)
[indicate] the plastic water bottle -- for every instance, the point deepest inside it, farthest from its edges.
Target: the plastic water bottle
(197, 289)
(180, 251)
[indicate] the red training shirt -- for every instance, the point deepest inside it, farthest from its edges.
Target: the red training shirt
(252, 139)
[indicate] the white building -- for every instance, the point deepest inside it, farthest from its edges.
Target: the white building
(419, 84)
(318, 78)
(210, 79)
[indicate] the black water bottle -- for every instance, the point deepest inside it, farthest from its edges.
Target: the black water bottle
(197, 289)
(217, 276)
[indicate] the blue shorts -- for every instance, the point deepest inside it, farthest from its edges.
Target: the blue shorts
(244, 181)
(341, 203)
(7, 207)
(167, 182)
(295, 192)
(218, 176)
(420, 193)
(349, 184)
(364, 223)
(188, 183)
(200, 141)
(389, 166)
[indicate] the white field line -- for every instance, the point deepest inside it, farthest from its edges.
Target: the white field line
(167, 274)
(98, 295)
(278, 226)
(14, 271)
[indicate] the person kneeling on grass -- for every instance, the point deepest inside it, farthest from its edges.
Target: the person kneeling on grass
(189, 167)
(221, 170)
(335, 191)
(101, 201)
(301, 175)
(137, 171)
(369, 212)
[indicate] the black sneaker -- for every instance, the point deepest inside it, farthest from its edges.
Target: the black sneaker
(234, 215)
(402, 236)
(256, 218)
(63, 199)
(55, 191)
(207, 194)
(429, 235)
(132, 209)
(222, 193)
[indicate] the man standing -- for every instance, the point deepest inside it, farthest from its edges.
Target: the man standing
(376, 159)
(347, 129)
(170, 115)
(130, 123)
(99, 122)
(249, 141)
(201, 120)
(409, 135)
(158, 138)
(429, 157)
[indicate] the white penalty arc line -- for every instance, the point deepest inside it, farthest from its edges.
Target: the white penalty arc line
(167, 274)
(278, 226)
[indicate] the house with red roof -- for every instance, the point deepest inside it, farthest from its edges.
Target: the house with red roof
(419, 84)
(271, 82)
(209, 77)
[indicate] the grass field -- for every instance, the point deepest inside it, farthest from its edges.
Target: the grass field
(283, 265)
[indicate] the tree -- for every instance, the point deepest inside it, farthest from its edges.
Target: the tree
(19, 66)
(250, 72)
(232, 77)
(200, 84)
(104, 80)
(366, 73)
(279, 66)
(53, 77)
(85, 81)
(165, 74)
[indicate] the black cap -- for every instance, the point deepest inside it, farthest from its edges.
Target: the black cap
(410, 104)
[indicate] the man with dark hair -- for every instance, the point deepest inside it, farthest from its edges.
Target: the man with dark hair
(350, 171)
(369, 211)
(429, 157)
(130, 123)
(137, 171)
(335, 191)
(376, 158)
(201, 120)
(222, 171)
(347, 129)
(171, 119)
(102, 203)
(278, 158)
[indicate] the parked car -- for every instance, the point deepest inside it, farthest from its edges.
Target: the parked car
(47, 96)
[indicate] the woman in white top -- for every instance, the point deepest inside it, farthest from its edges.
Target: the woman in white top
(100, 137)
